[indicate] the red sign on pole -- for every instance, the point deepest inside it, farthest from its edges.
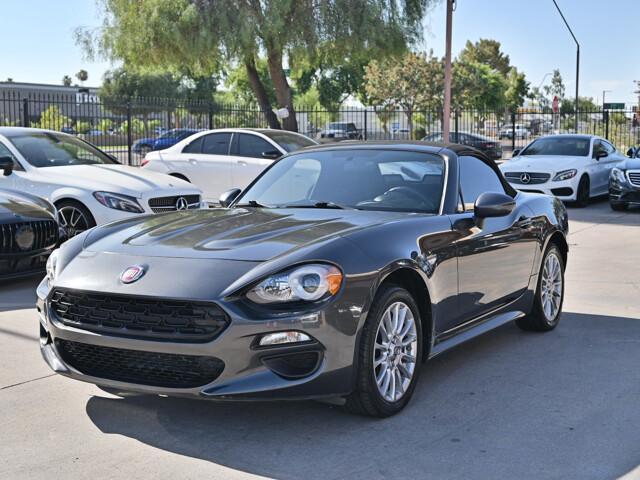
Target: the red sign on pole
(556, 104)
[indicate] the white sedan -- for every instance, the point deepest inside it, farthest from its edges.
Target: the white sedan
(218, 160)
(87, 186)
(571, 167)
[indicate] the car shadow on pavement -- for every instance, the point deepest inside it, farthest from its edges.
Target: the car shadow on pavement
(18, 294)
(507, 405)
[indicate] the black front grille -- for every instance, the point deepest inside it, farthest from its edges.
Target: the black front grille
(138, 317)
(43, 232)
(169, 204)
(145, 368)
(534, 178)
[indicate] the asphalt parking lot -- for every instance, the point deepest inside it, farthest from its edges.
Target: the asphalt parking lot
(508, 405)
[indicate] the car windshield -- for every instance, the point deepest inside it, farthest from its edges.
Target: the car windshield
(289, 141)
(49, 149)
(567, 146)
(365, 179)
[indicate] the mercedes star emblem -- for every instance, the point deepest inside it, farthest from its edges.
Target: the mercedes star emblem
(525, 178)
(181, 204)
(25, 237)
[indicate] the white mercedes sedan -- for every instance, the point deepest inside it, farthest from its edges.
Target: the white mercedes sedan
(572, 167)
(218, 160)
(87, 186)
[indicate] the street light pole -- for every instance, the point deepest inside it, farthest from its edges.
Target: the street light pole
(577, 57)
(604, 92)
(446, 111)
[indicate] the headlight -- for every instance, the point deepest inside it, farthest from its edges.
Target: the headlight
(118, 202)
(52, 266)
(305, 283)
(565, 175)
(618, 175)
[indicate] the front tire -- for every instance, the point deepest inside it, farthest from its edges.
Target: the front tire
(390, 355)
(547, 306)
(583, 196)
(74, 217)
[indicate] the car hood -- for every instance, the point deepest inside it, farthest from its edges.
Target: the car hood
(250, 234)
(14, 206)
(541, 163)
(631, 164)
(131, 181)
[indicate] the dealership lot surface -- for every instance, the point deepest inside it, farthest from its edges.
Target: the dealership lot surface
(508, 405)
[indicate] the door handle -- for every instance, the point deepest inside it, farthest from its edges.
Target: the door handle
(242, 163)
(193, 161)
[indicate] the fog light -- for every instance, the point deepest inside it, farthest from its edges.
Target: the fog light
(281, 338)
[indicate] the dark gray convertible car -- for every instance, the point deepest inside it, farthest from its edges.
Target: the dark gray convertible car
(336, 273)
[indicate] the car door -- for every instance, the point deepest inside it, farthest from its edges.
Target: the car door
(495, 255)
(598, 169)
(207, 164)
(612, 159)
(249, 157)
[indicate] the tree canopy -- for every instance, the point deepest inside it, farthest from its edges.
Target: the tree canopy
(204, 35)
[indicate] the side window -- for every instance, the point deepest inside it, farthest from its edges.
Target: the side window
(476, 178)
(194, 147)
(253, 146)
(597, 147)
(216, 144)
(608, 147)
(5, 152)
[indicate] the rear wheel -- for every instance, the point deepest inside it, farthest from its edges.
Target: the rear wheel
(389, 356)
(583, 196)
(547, 306)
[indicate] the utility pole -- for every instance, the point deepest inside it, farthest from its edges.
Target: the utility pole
(577, 58)
(604, 93)
(447, 75)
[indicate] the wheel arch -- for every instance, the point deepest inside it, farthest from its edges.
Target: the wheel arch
(559, 240)
(409, 279)
(179, 175)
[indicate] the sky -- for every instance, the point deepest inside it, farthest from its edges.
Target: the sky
(43, 50)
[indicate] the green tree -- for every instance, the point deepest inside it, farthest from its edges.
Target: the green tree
(53, 119)
(82, 126)
(66, 81)
(201, 35)
(585, 104)
(486, 51)
(82, 75)
(556, 88)
(517, 89)
(105, 125)
(404, 84)
(477, 86)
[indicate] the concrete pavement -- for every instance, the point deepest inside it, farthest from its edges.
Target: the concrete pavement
(508, 405)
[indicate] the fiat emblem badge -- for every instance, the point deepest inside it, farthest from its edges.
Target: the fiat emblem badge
(132, 274)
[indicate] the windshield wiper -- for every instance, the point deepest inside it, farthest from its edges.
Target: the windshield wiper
(252, 203)
(319, 205)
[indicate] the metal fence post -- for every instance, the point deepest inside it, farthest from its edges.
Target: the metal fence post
(456, 125)
(25, 112)
(606, 124)
(513, 131)
(129, 134)
(210, 116)
(365, 124)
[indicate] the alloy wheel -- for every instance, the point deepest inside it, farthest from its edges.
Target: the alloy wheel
(73, 220)
(395, 351)
(551, 287)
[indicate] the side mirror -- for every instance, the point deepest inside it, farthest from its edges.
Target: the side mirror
(516, 152)
(601, 154)
(229, 196)
(6, 165)
(271, 154)
(632, 153)
(491, 204)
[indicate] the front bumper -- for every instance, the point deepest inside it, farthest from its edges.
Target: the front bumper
(623, 193)
(565, 190)
(249, 373)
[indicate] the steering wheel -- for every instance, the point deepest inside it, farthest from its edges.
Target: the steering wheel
(405, 191)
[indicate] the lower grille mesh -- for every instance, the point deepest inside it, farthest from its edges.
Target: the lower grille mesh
(144, 368)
